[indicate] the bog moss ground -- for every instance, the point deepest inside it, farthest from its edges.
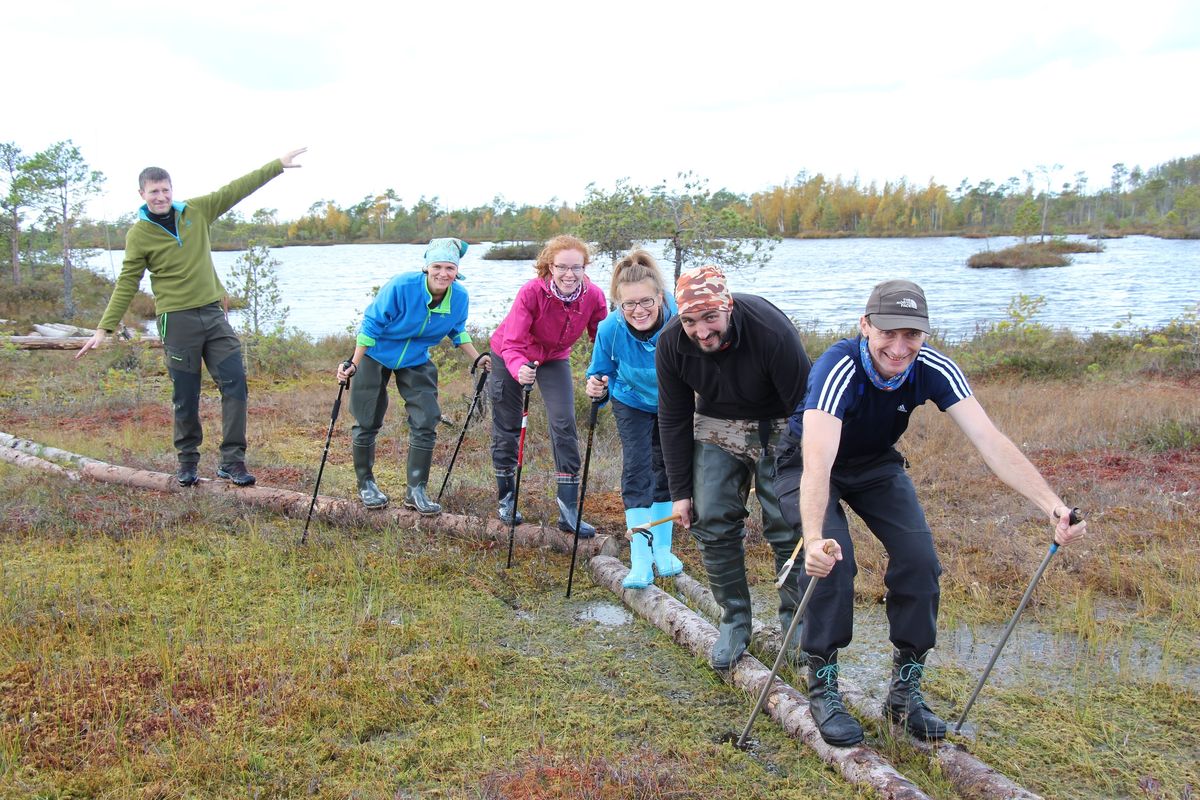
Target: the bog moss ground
(171, 645)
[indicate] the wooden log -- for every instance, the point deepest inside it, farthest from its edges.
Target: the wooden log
(859, 764)
(67, 343)
(329, 509)
(20, 459)
(971, 777)
(764, 639)
(42, 451)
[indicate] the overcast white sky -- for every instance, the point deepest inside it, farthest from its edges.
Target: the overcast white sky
(465, 101)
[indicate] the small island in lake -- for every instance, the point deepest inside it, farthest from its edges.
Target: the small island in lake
(1027, 255)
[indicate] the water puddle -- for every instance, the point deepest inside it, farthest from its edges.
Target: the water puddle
(1031, 649)
(607, 615)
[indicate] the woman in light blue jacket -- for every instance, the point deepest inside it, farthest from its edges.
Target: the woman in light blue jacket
(412, 312)
(623, 365)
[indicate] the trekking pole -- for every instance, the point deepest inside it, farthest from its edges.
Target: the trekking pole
(337, 406)
(587, 462)
(783, 645)
(474, 400)
(512, 523)
(1075, 519)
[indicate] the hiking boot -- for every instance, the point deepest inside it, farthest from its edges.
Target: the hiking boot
(835, 723)
(568, 507)
(505, 490)
(905, 704)
(419, 462)
(641, 563)
(364, 462)
(187, 475)
(236, 474)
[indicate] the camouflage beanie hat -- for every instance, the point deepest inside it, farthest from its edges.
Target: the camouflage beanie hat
(701, 289)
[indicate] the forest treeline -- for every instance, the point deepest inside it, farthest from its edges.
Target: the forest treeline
(1163, 201)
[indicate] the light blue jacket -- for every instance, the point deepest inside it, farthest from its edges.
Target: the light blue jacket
(627, 361)
(399, 327)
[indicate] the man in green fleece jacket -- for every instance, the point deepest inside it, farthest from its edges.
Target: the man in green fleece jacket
(171, 240)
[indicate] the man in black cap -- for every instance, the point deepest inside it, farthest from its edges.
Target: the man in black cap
(861, 393)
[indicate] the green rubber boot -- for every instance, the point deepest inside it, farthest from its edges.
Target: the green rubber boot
(419, 461)
(364, 463)
(728, 583)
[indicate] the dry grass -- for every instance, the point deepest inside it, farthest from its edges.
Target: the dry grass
(174, 647)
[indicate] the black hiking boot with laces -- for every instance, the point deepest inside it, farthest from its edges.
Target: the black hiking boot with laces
(905, 704)
(837, 726)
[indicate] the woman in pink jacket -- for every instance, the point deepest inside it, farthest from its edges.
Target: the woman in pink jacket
(548, 316)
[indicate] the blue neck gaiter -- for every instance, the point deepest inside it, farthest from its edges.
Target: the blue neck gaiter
(891, 385)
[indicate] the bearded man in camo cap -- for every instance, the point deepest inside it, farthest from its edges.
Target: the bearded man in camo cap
(731, 369)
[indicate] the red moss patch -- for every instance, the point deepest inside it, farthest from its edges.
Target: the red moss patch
(95, 712)
(144, 417)
(548, 776)
(1172, 470)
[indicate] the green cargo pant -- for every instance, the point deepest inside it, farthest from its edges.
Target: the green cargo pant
(369, 401)
(192, 336)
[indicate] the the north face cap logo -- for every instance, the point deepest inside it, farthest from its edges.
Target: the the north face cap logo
(907, 302)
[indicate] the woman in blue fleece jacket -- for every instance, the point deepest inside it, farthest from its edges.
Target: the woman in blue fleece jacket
(411, 313)
(623, 365)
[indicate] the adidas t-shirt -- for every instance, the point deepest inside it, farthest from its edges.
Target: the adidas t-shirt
(873, 420)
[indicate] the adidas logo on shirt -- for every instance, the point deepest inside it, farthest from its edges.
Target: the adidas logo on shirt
(902, 409)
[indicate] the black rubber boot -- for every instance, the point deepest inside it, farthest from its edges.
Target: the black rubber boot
(837, 726)
(730, 590)
(789, 598)
(419, 461)
(364, 463)
(505, 487)
(568, 510)
(905, 704)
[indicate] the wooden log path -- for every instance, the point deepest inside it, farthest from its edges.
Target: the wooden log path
(787, 706)
(68, 342)
(971, 777)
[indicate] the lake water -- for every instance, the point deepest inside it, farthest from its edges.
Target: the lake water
(819, 283)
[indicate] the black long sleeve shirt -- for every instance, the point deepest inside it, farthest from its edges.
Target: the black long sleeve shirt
(761, 375)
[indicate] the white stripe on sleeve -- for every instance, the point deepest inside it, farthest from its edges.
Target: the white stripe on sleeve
(835, 385)
(953, 375)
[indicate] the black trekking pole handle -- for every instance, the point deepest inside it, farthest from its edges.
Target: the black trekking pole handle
(475, 363)
(587, 463)
(1075, 518)
(337, 407)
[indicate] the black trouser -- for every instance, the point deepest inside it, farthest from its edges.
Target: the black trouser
(881, 493)
(369, 401)
(643, 473)
(192, 336)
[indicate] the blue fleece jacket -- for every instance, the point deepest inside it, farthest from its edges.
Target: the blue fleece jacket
(627, 361)
(399, 327)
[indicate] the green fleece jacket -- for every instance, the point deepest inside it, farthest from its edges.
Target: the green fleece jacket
(182, 275)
